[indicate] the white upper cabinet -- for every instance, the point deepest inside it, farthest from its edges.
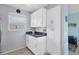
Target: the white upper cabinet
(38, 18)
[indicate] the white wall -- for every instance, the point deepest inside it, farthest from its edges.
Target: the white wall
(73, 8)
(11, 40)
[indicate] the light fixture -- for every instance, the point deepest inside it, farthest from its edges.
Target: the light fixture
(18, 11)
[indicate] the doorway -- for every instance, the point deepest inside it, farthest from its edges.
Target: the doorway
(73, 29)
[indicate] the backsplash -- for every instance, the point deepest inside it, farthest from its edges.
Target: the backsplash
(41, 29)
(38, 29)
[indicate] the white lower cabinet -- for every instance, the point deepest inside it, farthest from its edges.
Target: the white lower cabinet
(27, 40)
(41, 45)
(36, 45)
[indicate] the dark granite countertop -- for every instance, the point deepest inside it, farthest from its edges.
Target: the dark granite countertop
(36, 34)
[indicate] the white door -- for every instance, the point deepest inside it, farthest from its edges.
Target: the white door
(54, 30)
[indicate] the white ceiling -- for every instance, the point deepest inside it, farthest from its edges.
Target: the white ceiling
(28, 7)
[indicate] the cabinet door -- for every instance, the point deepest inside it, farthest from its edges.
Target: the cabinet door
(33, 44)
(41, 17)
(38, 18)
(41, 45)
(27, 40)
(36, 45)
(44, 17)
(51, 43)
(33, 20)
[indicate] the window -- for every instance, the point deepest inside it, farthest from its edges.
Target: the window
(16, 22)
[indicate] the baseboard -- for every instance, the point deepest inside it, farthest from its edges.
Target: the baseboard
(30, 50)
(46, 53)
(11, 50)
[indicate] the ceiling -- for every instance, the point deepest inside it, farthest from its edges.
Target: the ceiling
(28, 7)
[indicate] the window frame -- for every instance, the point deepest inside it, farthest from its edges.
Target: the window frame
(16, 15)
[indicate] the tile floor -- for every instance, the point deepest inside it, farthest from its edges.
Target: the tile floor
(23, 51)
(74, 53)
